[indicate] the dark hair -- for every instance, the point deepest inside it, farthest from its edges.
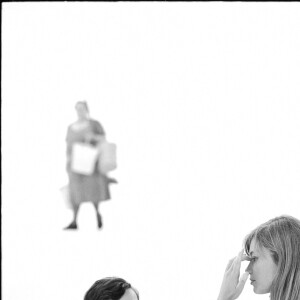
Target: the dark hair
(83, 103)
(109, 288)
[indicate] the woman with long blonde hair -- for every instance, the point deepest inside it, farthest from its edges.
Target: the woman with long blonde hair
(273, 252)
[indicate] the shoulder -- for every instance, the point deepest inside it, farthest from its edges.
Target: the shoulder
(72, 125)
(93, 121)
(96, 124)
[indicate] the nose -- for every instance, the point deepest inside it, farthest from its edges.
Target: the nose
(249, 268)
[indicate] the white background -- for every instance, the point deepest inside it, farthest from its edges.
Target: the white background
(202, 100)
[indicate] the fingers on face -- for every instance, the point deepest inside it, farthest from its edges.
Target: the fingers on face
(230, 263)
(245, 257)
(241, 283)
(241, 257)
(238, 259)
(244, 277)
(235, 262)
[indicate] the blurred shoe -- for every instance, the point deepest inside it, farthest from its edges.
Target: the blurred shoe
(111, 180)
(73, 225)
(99, 221)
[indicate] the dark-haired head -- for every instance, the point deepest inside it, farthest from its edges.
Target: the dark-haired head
(111, 288)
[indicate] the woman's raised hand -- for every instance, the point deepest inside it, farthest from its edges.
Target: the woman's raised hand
(232, 286)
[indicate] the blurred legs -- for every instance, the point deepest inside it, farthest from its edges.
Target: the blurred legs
(73, 224)
(99, 219)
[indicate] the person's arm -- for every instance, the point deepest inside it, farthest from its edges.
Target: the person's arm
(97, 135)
(96, 138)
(232, 286)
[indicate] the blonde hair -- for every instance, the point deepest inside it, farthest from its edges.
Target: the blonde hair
(281, 236)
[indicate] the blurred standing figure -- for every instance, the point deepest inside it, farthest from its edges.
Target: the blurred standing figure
(111, 288)
(85, 188)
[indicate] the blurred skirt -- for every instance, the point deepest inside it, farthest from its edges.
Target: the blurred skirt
(88, 188)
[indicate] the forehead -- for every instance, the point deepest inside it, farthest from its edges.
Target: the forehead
(256, 249)
(129, 295)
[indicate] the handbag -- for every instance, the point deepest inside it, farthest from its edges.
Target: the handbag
(107, 157)
(65, 193)
(84, 157)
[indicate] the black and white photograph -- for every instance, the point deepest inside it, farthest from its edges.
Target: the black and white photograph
(150, 150)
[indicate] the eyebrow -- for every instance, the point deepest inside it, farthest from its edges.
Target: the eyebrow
(251, 253)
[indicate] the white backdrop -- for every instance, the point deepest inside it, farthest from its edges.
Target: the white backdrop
(202, 100)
